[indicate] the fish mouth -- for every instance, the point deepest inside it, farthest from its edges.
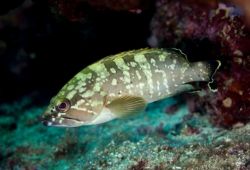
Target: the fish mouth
(60, 121)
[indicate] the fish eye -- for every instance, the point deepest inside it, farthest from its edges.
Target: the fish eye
(63, 106)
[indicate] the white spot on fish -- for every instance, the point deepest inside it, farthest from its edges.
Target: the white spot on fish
(126, 76)
(162, 57)
(97, 87)
(113, 70)
(153, 62)
(138, 74)
(133, 64)
(103, 93)
(70, 87)
(60, 114)
(88, 93)
(71, 94)
(158, 85)
(82, 89)
(159, 93)
(142, 61)
(80, 102)
(172, 66)
(121, 78)
(121, 64)
(141, 85)
(139, 88)
(89, 75)
(140, 58)
(164, 77)
(128, 87)
(81, 76)
(100, 69)
(112, 94)
(183, 69)
(96, 103)
(114, 82)
(79, 108)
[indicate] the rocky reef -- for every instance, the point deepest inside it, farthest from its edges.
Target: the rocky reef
(155, 139)
(44, 43)
(210, 30)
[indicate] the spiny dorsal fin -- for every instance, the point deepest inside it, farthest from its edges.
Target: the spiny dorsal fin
(127, 105)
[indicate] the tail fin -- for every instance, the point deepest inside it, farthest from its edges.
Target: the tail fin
(206, 71)
(213, 67)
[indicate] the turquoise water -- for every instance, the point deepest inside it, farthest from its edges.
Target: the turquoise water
(151, 139)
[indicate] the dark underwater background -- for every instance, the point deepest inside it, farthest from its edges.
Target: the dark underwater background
(45, 43)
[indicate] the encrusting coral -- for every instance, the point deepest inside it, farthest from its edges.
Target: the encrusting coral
(209, 30)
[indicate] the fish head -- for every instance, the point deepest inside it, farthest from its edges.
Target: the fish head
(66, 112)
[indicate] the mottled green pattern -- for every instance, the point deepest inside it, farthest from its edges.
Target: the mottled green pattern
(151, 74)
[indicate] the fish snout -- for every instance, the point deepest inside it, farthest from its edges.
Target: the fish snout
(60, 120)
(51, 119)
(46, 119)
(46, 123)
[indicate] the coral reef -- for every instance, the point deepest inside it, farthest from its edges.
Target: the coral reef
(208, 30)
(42, 47)
(224, 153)
(153, 140)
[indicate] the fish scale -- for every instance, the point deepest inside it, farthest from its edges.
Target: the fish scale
(123, 84)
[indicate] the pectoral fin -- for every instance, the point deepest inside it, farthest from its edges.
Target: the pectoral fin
(127, 105)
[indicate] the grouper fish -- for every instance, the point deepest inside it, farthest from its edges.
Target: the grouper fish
(122, 85)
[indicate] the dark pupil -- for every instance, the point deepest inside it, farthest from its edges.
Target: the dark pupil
(62, 105)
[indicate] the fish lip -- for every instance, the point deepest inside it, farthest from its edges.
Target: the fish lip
(46, 121)
(44, 117)
(70, 118)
